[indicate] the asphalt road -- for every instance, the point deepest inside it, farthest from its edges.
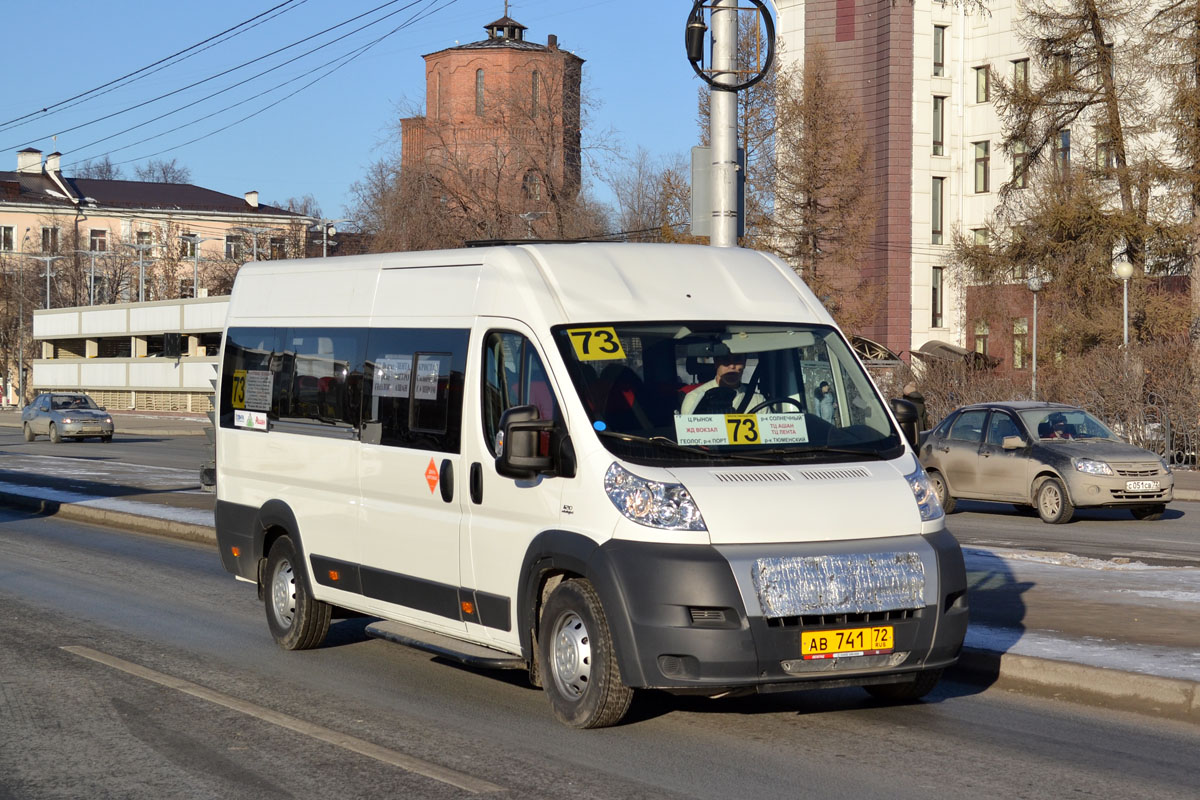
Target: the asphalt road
(1099, 533)
(179, 452)
(173, 688)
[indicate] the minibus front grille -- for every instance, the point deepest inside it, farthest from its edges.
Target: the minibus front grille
(827, 620)
(755, 476)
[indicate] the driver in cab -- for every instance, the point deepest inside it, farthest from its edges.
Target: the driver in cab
(725, 393)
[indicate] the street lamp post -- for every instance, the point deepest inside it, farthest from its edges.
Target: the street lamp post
(254, 232)
(47, 260)
(91, 274)
(1035, 284)
(141, 248)
(1124, 271)
(195, 239)
(328, 229)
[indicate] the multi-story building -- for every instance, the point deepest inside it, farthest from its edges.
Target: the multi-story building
(77, 242)
(924, 74)
(501, 125)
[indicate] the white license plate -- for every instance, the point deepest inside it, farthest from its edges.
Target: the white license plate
(1141, 486)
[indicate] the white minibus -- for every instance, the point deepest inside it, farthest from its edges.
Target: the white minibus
(616, 466)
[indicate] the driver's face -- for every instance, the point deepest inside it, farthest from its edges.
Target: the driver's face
(729, 370)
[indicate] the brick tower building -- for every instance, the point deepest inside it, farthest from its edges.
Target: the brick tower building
(500, 137)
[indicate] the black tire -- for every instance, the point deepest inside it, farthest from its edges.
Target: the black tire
(296, 620)
(1148, 513)
(106, 439)
(579, 670)
(942, 491)
(1053, 505)
(920, 685)
(29, 434)
(1024, 510)
(55, 436)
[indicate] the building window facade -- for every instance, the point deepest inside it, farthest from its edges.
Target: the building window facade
(535, 92)
(1021, 73)
(479, 92)
(983, 166)
(936, 210)
(233, 247)
(1062, 151)
(979, 236)
(939, 50)
(981, 337)
(1106, 153)
(983, 84)
(1020, 165)
(1020, 342)
(937, 299)
(49, 240)
(98, 240)
(278, 248)
(6, 238)
(187, 247)
(939, 125)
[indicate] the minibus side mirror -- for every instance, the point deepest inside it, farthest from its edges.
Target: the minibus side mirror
(906, 415)
(523, 444)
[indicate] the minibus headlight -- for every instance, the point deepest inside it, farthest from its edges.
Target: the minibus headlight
(651, 503)
(927, 501)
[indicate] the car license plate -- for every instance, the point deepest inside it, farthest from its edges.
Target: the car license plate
(1141, 486)
(848, 642)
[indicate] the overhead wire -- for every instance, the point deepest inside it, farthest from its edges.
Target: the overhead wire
(231, 69)
(157, 66)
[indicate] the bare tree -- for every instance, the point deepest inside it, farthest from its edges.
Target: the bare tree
(823, 209)
(653, 197)
(515, 174)
(161, 171)
(99, 169)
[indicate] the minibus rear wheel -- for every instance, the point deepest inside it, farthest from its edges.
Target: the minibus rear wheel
(579, 671)
(906, 691)
(296, 620)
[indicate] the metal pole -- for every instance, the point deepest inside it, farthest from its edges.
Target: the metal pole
(1034, 370)
(723, 125)
(196, 270)
(1125, 315)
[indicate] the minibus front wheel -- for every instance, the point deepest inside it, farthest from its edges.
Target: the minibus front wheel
(297, 621)
(579, 671)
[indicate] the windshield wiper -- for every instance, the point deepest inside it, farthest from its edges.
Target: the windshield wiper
(817, 451)
(668, 444)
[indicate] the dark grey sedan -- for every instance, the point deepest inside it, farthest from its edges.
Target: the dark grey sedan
(66, 415)
(1051, 457)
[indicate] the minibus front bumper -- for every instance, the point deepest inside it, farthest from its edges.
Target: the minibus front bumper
(690, 618)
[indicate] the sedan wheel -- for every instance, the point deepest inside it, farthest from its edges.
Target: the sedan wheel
(1052, 503)
(29, 434)
(942, 491)
(55, 436)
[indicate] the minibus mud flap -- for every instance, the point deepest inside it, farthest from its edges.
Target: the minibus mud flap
(473, 655)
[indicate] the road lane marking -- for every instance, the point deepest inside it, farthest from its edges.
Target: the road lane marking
(420, 767)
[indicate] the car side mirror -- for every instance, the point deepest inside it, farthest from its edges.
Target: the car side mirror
(1012, 442)
(906, 415)
(523, 444)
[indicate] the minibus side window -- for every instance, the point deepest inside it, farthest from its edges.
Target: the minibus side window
(246, 373)
(413, 388)
(320, 375)
(513, 375)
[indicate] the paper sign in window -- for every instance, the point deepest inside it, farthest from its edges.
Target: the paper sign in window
(392, 376)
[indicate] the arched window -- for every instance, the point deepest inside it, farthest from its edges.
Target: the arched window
(531, 186)
(479, 92)
(535, 92)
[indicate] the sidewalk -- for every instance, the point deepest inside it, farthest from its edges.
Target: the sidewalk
(1109, 634)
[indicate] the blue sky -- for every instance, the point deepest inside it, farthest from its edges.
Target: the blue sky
(320, 140)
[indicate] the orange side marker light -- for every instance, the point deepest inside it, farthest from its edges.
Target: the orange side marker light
(334, 575)
(468, 607)
(237, 552)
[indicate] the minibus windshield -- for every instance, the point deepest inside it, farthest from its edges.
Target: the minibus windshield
(726, 392)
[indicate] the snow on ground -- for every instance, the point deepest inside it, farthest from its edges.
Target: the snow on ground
(194, 516)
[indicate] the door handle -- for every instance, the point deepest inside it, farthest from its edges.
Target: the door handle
(446, 480)
(476, 483)
(943, 449)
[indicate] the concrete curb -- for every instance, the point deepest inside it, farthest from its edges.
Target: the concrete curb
(1109, 688)
(113, 519)
(1150, 695)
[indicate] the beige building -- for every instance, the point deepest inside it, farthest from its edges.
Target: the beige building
(76, 242)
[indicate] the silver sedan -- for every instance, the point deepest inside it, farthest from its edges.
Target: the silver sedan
(66, 415)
